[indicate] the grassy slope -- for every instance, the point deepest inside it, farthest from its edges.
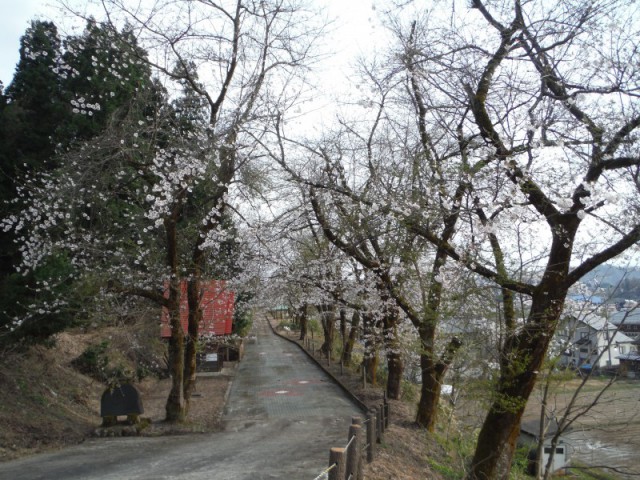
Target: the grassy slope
(44, 402)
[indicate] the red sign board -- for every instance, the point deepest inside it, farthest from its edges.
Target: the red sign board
(217, 309)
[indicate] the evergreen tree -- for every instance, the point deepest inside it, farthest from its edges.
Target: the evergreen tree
(101, 72)
(31, 109)
(62, 94)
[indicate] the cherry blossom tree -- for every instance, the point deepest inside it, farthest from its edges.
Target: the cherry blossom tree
(42, 119)
(233, 60)
(523, 165)
(363, 171)
(550, 120)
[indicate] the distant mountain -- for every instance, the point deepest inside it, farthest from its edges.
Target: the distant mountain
(609, 275)
(614, 282)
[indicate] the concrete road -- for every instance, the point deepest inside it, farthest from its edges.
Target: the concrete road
(282, 417)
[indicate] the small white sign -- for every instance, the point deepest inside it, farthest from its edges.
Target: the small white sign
(211, 357)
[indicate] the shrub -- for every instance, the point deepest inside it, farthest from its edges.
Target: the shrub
(93, 361)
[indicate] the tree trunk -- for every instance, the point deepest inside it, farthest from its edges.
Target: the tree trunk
(499, 433)
(175, 408)
(195, 316)
(395, 365)
(429, 394)
(327, 314)
(353, 333)
(433, 373)
(396, 369)
(370, 360)
(370, 365)
(304, 319)
(343, 327)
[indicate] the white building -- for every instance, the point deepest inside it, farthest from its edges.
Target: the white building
(530, 436)
(628, 319)
(595, 342)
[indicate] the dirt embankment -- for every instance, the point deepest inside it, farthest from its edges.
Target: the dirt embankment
(45, 403)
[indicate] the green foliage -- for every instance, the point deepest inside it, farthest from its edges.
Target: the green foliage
(93, 361)
(30, 110)
(382, 373)
(409, 391)
(242, 315)
(108, 365)
(447, 471)
(105, 69)
(520, 463)
(64, 92)
(47, 301)
(313, 325)
(507, 403)
(36, 103)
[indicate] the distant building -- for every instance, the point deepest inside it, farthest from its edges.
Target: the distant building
(628, 321)
(280, 312)
(595, 343)
(529, 437)
(217, 305)
(630, 364)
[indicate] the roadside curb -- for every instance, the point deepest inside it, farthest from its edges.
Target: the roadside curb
(225, 399)
(342, 386)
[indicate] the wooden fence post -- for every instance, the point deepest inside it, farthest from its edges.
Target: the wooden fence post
(379, 424)
(371, 435)
(361, 443)
(353, 452)
(386, 412)
(337, 457)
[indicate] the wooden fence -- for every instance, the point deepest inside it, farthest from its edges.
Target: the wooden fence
(346, 463)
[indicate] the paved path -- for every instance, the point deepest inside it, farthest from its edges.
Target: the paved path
(283, 415)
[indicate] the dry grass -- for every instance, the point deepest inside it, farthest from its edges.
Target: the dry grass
(46, 404)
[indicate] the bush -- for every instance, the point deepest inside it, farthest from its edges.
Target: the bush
(93, 361)
(409, 391)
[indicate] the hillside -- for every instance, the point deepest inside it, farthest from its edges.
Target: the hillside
(45, 403)
(615, 282)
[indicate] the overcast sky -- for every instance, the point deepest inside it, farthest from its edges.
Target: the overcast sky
(13, 22)
(354, 22)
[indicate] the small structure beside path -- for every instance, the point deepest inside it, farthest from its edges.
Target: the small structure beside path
(529, 437)
(119, 401)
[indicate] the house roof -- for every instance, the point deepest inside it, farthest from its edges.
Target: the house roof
(596, 322)
(580, 297)
(532, 428)
(631, 357)
(620, 337)
(628, 317)
(599, 324)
